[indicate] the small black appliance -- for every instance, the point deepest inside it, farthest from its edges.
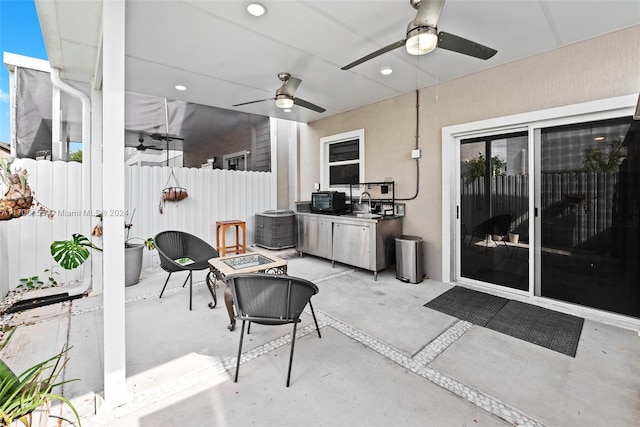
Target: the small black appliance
(330, 202)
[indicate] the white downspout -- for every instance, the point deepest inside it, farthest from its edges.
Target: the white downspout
(86, 166)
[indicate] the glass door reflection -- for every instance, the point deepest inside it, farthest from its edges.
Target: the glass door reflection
(590, 214)
(494, 203)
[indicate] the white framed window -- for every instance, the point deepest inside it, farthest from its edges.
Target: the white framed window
(342, 160)
(235, 161)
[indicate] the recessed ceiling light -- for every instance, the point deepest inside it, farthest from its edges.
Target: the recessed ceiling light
(598, 138)
(181, 87)
(287, 110)
(256, 9)
(385, 71)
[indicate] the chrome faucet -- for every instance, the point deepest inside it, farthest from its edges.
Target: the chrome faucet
(360, 200)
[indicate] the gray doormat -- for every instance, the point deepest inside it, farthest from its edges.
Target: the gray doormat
(466, 304)
(547, 328)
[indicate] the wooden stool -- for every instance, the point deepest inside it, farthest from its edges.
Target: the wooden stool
(239, 247)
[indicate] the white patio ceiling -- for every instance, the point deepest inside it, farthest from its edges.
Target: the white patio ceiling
(225, 56)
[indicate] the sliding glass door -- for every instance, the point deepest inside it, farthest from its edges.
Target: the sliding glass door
(585, 212)
(589, 189)
(494, 203)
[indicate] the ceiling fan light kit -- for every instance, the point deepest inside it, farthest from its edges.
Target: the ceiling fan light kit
(421, 40)
(283, 101)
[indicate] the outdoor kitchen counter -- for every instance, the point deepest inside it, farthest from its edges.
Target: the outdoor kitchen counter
(348, 216)
(363, 242)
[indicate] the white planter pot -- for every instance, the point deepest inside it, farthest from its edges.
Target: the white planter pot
(514, 237)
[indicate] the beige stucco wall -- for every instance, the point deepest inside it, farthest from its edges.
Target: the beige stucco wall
(599, 68)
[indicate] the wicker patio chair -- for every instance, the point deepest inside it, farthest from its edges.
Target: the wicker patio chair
(180, 251)
(496, 226)
(270, 299)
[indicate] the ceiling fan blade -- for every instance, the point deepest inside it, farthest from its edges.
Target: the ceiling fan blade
(374, 54)
(142, 147)
(307, 104)
(289, 87)
(466, 47)
(429, 13)
(253, 102)
(163, 137)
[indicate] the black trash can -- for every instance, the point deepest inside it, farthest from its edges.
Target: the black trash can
(409, 259)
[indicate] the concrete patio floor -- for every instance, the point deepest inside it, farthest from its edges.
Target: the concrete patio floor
(383, 359)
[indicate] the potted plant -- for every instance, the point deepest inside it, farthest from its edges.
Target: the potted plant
(514, 236)
(133, 248)
(18, 198)
(133, 251)
(25, 398)
(72, 253)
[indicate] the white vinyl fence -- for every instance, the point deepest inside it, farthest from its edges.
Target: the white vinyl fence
(214, 195)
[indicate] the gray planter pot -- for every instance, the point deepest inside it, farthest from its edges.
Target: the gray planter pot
(132, 263)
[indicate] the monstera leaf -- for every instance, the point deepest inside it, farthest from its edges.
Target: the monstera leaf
(72, 253)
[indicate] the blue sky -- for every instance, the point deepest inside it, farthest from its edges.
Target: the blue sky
(19, 33)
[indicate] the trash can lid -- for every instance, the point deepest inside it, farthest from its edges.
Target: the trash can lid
(410, 238)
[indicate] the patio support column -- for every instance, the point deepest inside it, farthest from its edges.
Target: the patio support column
(95, 193)
(293, 158)
(274, 130)
(113, 38)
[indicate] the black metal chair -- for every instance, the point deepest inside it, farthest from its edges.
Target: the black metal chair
(180, 251)
(270, 299)
(496, 226)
